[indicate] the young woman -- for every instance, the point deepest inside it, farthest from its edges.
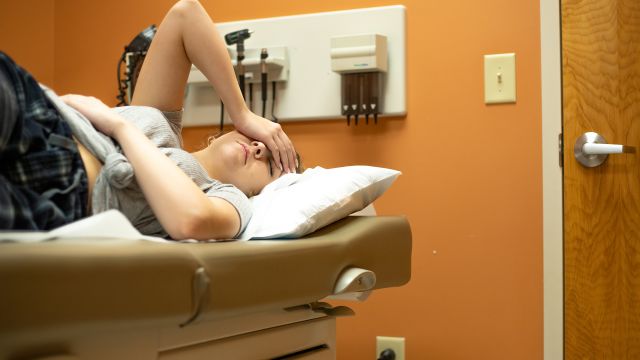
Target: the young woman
(174, 193)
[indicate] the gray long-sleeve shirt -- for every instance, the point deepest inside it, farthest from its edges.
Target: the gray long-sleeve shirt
(116, 187)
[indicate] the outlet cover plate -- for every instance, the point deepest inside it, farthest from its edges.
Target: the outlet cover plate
(394, 343)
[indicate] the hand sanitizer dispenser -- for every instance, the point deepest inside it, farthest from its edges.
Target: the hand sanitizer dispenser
(361, 60)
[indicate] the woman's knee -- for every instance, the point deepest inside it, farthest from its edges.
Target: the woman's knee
(185, 8)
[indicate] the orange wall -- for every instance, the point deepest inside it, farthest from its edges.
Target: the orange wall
(471, 183)
(26, 34)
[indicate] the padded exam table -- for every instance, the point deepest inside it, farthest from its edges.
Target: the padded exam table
(232, 300)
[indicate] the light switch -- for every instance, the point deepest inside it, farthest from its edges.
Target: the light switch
(500, 78)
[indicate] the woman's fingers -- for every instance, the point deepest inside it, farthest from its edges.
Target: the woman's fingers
(272, 144)
(94, 110)
(282, 151)
(287, 152)
(272, 135)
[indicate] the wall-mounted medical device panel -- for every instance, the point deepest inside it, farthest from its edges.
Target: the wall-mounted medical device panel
(306, 86)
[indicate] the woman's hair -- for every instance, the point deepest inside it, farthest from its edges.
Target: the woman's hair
(300, 168)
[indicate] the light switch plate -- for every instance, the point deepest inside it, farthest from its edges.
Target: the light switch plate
(500, 78)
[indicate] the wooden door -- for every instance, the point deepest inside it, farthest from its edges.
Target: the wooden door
(601, 93)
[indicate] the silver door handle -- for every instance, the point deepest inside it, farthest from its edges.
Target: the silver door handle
(591, 149)
(597, 149)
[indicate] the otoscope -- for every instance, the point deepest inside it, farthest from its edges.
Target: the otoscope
(264, 54)
(238, 38)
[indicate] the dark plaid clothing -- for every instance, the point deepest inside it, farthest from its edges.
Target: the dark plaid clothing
(43, 183)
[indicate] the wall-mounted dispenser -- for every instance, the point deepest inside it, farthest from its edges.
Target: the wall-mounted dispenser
(361, 60)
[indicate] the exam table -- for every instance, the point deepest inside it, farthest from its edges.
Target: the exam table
(260, 299)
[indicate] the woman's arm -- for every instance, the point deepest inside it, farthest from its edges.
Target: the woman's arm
(187, 35)
(182, 208)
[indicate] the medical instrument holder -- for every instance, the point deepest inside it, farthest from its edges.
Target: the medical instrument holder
(361, 60)
(277, 66)
(277, 63)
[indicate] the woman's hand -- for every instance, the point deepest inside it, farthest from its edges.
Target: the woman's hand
(272, 135)
(96, 111)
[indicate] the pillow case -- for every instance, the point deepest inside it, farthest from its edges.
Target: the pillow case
(297, 204)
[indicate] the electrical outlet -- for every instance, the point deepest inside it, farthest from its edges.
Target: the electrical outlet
(394, 343)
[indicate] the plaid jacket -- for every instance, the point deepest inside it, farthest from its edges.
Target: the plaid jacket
(43, 183)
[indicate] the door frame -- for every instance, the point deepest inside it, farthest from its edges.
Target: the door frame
(552, 217)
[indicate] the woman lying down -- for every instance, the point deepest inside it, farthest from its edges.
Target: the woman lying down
(48, 176)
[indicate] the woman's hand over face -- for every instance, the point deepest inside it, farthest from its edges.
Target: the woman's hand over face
(98, 113)
(272, 135)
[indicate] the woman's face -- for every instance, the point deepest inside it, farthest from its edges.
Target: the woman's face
(246, 163)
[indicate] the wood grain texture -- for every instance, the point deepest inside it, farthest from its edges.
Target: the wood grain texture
(601, 93)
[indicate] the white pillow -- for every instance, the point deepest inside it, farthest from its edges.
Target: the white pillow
(298, 204)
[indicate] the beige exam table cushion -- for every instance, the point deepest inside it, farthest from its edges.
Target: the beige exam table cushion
(49, 285)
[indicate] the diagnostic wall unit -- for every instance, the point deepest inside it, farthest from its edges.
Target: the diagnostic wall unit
(310, 90)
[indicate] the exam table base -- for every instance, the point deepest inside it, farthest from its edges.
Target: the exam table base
(300, 334)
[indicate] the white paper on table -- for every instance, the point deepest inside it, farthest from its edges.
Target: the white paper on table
(109, 225)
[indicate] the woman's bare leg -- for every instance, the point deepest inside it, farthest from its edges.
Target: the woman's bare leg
(186, 35)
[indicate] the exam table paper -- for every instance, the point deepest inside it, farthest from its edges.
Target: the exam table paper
(110, 226)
